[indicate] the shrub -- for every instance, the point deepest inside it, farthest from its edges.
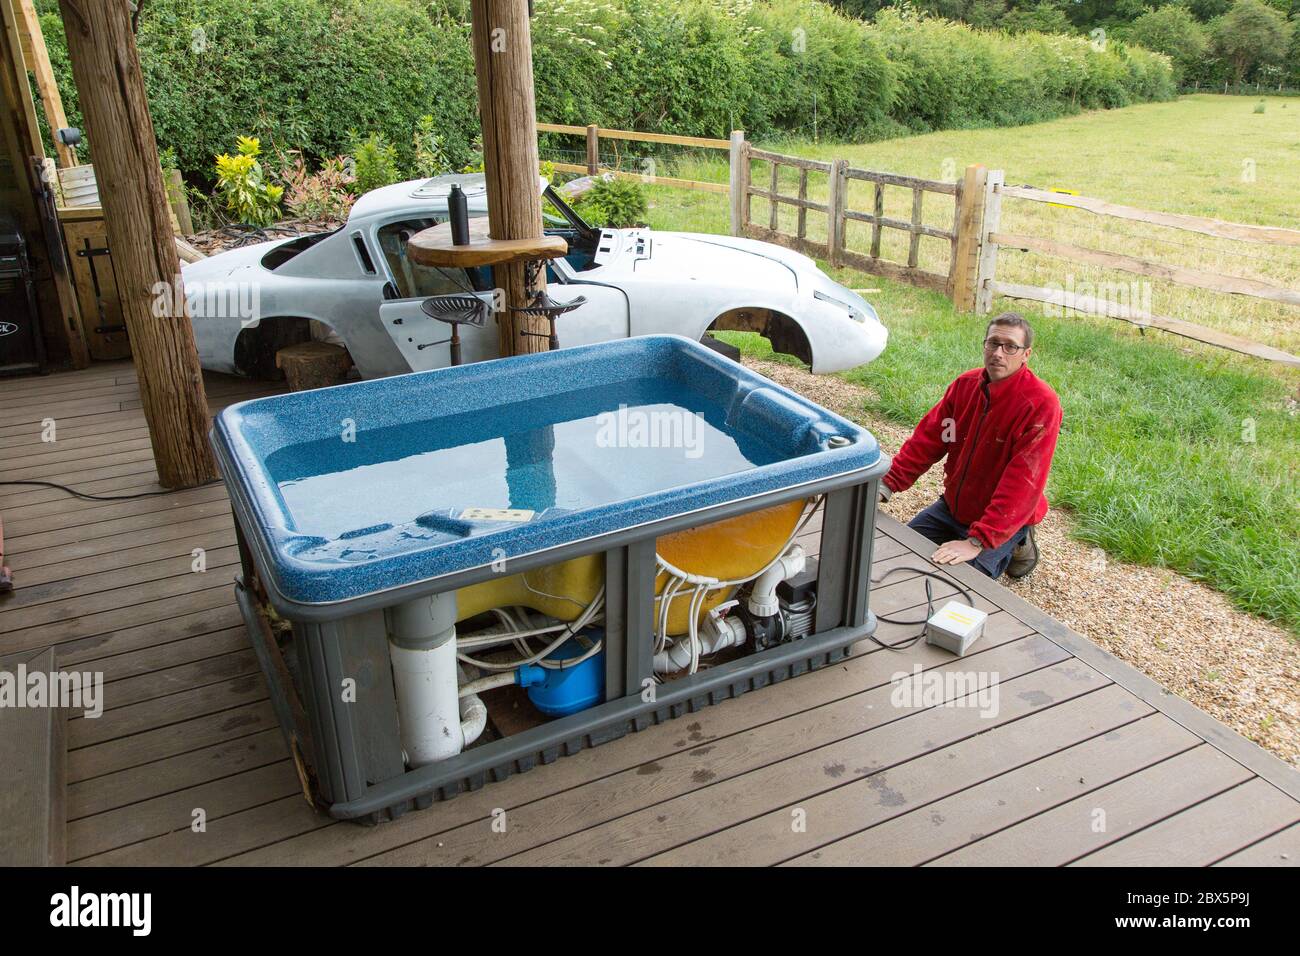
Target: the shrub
(374, 162)
(430, 158)
(242, 185)
(325, 194)
(614, 202)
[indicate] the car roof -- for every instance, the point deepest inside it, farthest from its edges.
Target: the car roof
(424, 195)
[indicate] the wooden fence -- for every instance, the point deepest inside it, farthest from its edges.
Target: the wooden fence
(594, 134)
(966, 198)
(993, 240)
(975, 239)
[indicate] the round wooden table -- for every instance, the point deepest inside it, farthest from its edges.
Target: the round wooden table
(433, 247)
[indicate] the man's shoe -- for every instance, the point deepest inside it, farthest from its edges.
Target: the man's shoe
(1024, 558)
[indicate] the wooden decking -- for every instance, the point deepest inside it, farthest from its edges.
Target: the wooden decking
(1083, 760)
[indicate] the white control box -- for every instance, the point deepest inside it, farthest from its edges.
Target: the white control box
(955, 627)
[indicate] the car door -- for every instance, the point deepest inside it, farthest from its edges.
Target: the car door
(424, 341)
(604, 316)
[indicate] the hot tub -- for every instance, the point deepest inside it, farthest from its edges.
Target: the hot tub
(649, 478)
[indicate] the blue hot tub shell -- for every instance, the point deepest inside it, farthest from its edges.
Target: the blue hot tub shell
(359, 497)
(330, 526)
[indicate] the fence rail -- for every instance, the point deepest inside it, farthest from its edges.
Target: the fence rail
(594, 134)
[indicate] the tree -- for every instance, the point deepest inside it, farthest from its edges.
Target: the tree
(1249, 35)
(1207, 10)
(1293, 56)
(1043, 17)
(1171, 30)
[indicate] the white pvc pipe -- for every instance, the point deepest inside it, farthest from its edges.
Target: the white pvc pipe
(731, 633)
(487, 683)
(434, 720)
(428, 707)
(763, 601)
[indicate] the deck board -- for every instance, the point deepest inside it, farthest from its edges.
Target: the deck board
(187, 723)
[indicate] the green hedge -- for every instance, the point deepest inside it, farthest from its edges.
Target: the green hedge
(302, 73)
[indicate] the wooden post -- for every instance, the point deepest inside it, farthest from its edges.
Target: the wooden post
(106, 67)
(503, 64)
(773, 208)
(802, 231)
(836, 203)
(914, 241)
(179, 203)
(30, 194)
(593, 149)
(969, 222)
(739, 183)
(986, 274)
(45, 82)
(878, 211)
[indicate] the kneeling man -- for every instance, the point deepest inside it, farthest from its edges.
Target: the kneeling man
(997, 425)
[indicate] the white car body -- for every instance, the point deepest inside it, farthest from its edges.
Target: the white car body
(636, 282)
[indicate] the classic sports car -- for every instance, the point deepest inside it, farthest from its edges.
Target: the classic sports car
(358, 283)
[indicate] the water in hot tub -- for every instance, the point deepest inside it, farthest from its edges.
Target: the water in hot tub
(586, 448)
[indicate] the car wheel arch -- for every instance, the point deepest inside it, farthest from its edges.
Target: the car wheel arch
(784, 332)
(256, 344)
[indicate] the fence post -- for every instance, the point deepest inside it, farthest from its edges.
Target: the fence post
(835, 204)
(593, 149)
(969, 223)
(739, 183)
(986, 272)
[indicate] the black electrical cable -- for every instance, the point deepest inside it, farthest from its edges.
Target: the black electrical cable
(929, 603)
(89, 497)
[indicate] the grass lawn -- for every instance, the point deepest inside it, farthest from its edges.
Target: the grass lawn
(1171, 454)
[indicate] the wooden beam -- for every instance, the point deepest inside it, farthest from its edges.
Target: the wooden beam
(1209, 227)
(647, 180)
(1235, 285)
(106, 67)
(638, 137)
(503, 65)
(1094, 306)
(33, 197)
(46, 85)
(29, 128)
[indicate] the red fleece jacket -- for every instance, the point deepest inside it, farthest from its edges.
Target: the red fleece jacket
(999, 438)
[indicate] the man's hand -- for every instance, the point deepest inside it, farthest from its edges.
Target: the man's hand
(955, 552)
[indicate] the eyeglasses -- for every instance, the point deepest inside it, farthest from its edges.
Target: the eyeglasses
(991, 346)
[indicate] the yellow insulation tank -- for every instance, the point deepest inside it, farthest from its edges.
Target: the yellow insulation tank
(730, 549)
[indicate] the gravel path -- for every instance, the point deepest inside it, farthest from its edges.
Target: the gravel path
(1184, 635)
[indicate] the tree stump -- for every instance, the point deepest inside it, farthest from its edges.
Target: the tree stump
(313, 365)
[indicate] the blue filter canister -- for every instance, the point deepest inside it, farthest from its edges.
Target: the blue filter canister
(558, 692)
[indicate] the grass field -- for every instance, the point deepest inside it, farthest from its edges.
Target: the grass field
(1171, 454)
